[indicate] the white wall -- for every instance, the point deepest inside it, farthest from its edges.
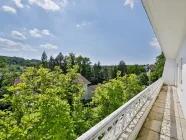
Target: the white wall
(169, 72)
(87, 92)
(181, 87)
(85, 87)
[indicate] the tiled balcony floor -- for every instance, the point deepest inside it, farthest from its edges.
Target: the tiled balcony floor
(165, 120)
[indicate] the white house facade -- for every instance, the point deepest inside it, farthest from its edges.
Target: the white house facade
(87, 87)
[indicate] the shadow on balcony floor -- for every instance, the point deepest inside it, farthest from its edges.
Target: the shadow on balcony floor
(165, 120)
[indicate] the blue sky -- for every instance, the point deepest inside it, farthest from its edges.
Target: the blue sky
(103, 30)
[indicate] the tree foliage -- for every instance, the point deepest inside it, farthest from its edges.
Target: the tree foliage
(158, 68)
(51, 63)
(135, 69)
(111, 95)
(44, 60)
(122, 67)
(60, 61)
(44, 105)
(143, 78)
(114, 72)
(47, 103)
(98, 74)
(8, 75)
(84, 66)
(8, 61)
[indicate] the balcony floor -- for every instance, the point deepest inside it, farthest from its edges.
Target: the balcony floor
(165, 120)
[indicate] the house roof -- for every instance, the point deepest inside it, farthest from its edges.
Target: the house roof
(83, 80)
(17, 81)
(93, 87)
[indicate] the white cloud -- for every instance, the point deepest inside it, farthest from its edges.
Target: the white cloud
(129, 3)
(45, 4)
(46, 32)
(6, 42)
(78, 26)
(155, 43)
(28, 48)
(63, 3)
(83, 24)
(9, 9)
(48, 46)
(18, 35)
(15, 50)
(18, 3)
(28, 6)
(38, 33)
(35, 33)
(11, 45)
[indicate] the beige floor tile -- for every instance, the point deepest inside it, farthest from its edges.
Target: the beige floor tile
(159, 105)
(166, 119)
(153, 125)
(160, 101)
(162, 97)
(146, 134)
(157, 109)
(155, 116)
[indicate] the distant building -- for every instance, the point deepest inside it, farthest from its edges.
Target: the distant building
(83, 80)
(92, 89)
(17, 81)
(89, 89)
(149, 69)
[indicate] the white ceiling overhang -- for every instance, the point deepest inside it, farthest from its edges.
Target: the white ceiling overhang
(168, 19)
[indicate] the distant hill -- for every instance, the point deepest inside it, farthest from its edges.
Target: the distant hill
(19, 61)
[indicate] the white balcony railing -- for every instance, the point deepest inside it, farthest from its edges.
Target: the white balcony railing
(126, 120)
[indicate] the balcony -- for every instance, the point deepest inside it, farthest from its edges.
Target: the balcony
(153, 114)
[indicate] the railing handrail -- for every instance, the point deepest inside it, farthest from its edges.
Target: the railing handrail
(95, 129)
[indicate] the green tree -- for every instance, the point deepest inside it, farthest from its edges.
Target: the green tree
(72, 58)
(51, 63)
(143, 78)
(44, 60)
(122, 67)
(114, 72)
(9, 73)
(95, 71)
(105, 74)
(2, 63)
(84, 66)
(111, 95)
(158, 68)
(61, 62)
(135, 69)
(98, 74)
(45, 105)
